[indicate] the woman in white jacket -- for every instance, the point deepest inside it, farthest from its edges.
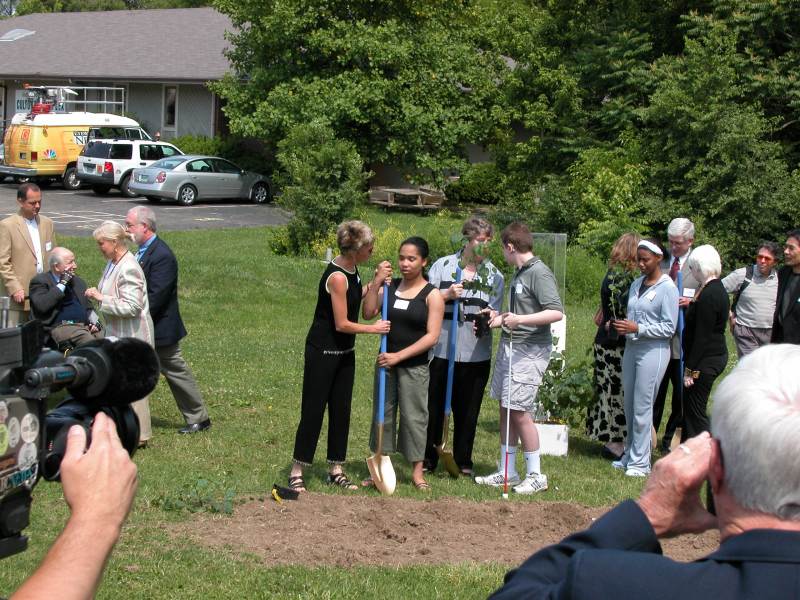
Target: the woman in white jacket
(651, 320)
(121, 298)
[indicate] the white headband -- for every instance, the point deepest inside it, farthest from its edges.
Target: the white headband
(651, 246)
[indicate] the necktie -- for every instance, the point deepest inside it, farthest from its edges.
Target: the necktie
(673, 270)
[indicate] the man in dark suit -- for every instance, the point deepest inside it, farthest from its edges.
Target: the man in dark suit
(680, 234)
(786, 323)
(750, 464)
(161, 272)
(57, 299)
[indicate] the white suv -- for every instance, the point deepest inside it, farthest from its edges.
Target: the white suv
(109, 163)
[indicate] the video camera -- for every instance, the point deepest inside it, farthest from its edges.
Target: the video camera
(105, 375)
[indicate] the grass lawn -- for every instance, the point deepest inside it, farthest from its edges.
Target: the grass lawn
(247, 312)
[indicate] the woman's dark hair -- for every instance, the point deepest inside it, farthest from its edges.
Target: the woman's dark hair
(420, 243)
(770, 247)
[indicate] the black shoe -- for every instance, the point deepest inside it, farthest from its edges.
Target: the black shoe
(195, 427)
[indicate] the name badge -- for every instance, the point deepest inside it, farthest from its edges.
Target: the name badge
(400, 304)
(688, 292)
(48, 246)
(651, 295)
(518, 287)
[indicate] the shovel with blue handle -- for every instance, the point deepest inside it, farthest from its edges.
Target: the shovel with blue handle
(380, 467)
(445, 454)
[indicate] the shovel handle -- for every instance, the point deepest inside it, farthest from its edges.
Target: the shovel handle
(379, 418)
(451, 350)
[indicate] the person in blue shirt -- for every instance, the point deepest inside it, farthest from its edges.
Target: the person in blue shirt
(650, 324)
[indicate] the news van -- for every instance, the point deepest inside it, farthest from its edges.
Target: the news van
(43, 145)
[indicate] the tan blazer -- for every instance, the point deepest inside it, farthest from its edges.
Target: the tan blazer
(126, 313)
(124, 308)
(18, 257)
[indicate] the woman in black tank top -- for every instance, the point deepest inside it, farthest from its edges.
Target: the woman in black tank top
(329, 354)
(416, 309)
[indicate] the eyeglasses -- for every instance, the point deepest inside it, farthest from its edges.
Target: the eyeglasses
(766, 258)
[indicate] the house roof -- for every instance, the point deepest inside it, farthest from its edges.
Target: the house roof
(182, 44)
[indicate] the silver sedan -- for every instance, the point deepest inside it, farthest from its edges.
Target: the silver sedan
(190, 178)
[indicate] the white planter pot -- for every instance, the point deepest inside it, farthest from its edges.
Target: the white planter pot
(553, 439)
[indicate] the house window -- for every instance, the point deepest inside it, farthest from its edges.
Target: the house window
(170, 98)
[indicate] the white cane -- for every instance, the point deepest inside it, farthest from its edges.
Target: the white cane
(508, 412)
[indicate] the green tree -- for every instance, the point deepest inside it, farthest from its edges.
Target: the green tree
(406, 81)
(322, 179)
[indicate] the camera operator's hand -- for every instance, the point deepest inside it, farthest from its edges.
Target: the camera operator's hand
(99, 486)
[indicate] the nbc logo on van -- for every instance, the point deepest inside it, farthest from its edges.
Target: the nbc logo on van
(49, 154)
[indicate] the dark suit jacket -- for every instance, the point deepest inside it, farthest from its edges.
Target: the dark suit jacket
(46, 298)
(787, 330)
(620, 557)
(161, 271)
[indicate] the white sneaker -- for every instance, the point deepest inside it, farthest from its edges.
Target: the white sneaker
(634, 472)
(618, 465)
(535, 482)
(497, 479)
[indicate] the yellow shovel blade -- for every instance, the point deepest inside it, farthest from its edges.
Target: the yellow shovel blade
(382, 473)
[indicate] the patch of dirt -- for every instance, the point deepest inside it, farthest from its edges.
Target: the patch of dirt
(327, 529)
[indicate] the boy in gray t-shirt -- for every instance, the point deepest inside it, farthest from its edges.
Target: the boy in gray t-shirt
(533, 305)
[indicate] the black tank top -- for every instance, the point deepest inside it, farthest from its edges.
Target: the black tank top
(409, 322)
(323, 334)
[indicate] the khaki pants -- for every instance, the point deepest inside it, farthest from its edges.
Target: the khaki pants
(406, 390)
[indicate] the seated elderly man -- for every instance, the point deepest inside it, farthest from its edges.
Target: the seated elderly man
(752, 466)
(58, 301)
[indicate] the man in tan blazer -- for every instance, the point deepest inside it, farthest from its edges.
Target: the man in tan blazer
(26, 240)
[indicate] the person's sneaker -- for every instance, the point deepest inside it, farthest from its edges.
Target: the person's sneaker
(634, 472)
(535, 482)
(497, 479)
(618, 465)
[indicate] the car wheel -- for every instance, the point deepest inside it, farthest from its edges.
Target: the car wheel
(187, 195)
(70, 179)
(125, 187)
(260, 193)
(153, 199)
(21, 179)
(101, 190)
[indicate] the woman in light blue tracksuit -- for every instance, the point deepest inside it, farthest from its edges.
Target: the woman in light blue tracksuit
(652, 318)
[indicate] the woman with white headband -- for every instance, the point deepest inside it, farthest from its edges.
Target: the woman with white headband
(651, 320)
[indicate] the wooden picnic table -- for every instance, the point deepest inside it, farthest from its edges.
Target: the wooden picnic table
(417, 198)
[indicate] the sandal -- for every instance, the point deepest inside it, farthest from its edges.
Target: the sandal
(297, 483)
(341, 480)
(422, 486)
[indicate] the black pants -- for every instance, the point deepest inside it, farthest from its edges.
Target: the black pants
(695, 400)
(673, 375)
(469, 383)
(327, 381)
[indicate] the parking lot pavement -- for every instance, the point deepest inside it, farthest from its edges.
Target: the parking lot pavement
(80, 212)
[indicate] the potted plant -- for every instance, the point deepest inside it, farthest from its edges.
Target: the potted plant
(619, 282)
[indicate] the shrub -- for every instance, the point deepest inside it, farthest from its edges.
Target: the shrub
(585, 272)
(480, 183)
(323, 179)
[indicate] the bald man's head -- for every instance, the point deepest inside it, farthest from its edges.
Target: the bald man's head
(61, 260)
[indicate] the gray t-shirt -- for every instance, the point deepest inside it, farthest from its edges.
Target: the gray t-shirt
(532, 289)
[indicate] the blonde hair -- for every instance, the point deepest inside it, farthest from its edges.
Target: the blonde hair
(623, 252)
(351, 236)
(110, 230)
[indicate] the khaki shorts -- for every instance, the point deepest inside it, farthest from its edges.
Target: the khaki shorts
(528, 365)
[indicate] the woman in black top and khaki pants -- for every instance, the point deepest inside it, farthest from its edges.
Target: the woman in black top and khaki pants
(705, 352)
(330, 354)
(416, 309)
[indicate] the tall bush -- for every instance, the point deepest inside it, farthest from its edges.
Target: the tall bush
(322, 179)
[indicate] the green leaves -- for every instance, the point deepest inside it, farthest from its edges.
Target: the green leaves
(322, 182)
